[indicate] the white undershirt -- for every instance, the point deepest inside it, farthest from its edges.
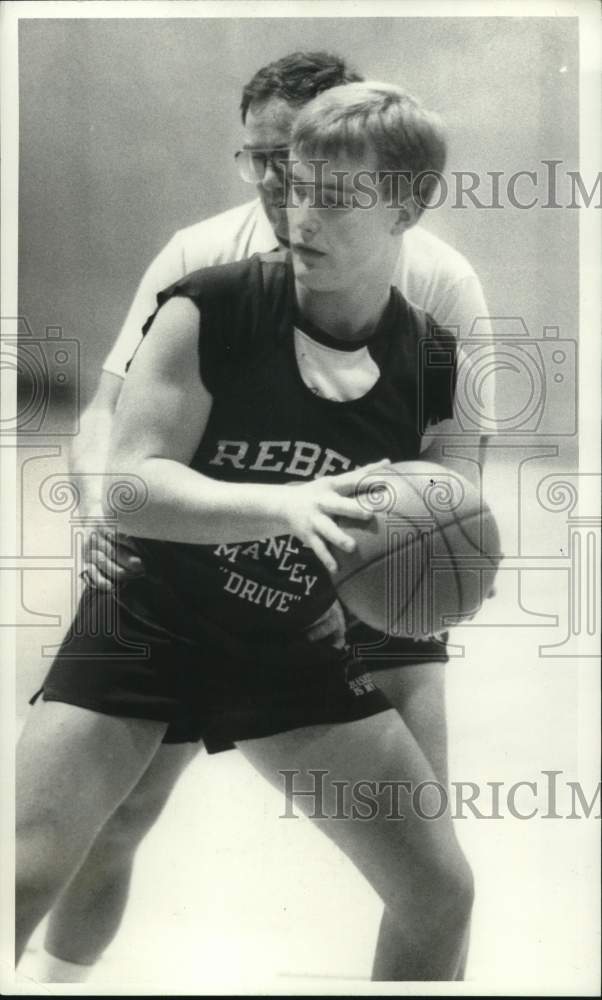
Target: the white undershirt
(338, 375)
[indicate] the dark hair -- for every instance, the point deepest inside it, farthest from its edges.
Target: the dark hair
(297, 78)
(352, 119)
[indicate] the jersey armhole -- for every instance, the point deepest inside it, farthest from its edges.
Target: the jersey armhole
(437, 371)
(230, 300)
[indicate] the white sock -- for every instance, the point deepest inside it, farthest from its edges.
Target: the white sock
(56, 970)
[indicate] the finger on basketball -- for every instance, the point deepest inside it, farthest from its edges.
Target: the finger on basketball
(339, 506)
(383, 463)
(334, 535)
(349, 481)
(321, 550)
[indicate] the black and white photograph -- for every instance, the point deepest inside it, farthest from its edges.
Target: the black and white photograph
(301, 535)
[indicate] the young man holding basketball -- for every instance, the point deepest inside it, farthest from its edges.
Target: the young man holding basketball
(431, 274)
(305, 370)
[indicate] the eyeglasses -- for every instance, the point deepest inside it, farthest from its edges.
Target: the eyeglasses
(253, 163)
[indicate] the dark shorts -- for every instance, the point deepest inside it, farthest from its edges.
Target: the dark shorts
(113, 663)
(381, 652)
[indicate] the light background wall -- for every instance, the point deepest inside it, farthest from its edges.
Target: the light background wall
(128, 128)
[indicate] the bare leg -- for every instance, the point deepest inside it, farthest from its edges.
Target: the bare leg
(418, 694)
(413, 864)
(88, 913)
(74, 767)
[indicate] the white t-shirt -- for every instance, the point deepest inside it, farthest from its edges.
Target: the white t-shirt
(430, 274)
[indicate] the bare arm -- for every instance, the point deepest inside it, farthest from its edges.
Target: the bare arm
(90, 449)
(107, 557)
(160, 420)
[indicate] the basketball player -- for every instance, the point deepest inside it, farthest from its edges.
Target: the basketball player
(429, 272)
(89, 911)
(294, 372)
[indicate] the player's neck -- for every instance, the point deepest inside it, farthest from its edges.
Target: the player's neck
(349, 314)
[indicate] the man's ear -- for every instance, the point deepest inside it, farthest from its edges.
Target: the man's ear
(406, 216)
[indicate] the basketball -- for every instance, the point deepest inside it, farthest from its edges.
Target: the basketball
(427, 559)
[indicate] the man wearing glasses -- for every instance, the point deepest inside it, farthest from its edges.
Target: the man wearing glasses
(432, 276)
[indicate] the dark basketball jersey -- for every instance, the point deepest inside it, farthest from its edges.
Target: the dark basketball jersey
(270, 422)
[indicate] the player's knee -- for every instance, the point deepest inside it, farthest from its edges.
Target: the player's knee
(455, 884)
(46, 856)
(440, 890)
(132, 820)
